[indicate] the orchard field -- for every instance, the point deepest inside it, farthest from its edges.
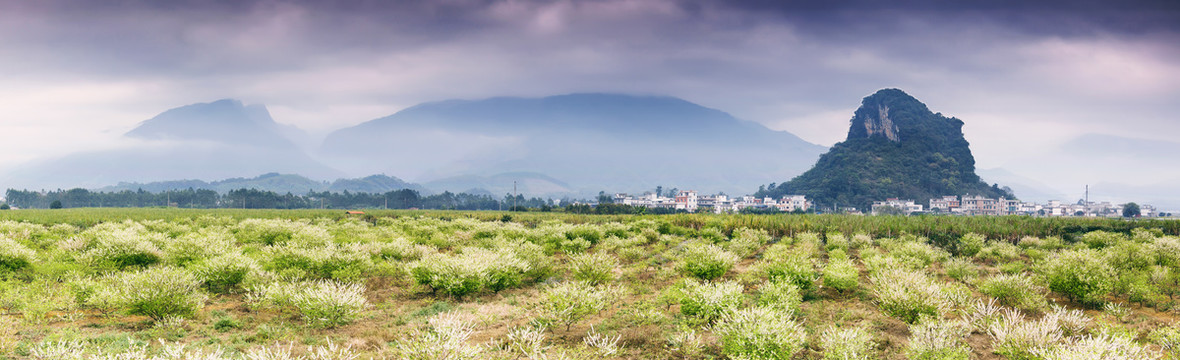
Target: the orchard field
(319, 284)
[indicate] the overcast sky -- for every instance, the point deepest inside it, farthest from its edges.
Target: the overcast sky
(1027, 78)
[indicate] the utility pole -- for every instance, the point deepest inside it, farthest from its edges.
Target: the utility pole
(513, 196)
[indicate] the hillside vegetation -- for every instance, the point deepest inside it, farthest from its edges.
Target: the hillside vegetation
(896, 148)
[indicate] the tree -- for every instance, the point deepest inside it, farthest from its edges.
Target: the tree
(659, 190)
(6, 207)
(56, 204)
(1131, 210)
(890, 210)
(603, 198)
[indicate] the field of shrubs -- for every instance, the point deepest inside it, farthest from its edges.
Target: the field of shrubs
(207, 285)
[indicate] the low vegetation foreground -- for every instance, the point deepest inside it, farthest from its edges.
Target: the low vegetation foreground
(490, 285)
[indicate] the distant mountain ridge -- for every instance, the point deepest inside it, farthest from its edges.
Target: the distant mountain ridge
(280, 183)
(566, 145)
(215, 140)
(896, 148)
(591, 142)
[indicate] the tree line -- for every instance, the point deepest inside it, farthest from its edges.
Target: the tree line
(263, 199)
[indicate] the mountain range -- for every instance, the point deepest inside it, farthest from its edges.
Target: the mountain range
(567, 145)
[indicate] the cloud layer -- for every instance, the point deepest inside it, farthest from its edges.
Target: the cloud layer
(1027, 78)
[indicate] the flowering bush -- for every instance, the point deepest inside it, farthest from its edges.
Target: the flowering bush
(908, 295)
(157, 292)
(747, 241)
(323, 303)
(1017, 338)
(759, 333)
(470, 271)
(706, 261)
(971, 244)
(14, 256)
(1101, 347)
(195, 246)
(446, 338)
(960, 269)
(780, 295)
(119, 248)
(1081, 275)
(568, 302)
(329, 261)
(847, 343)
(704, 303)
(596, 268)
(1101, 239)
(223, 274)
(841, 275)
(937, 340)
(1017, 290)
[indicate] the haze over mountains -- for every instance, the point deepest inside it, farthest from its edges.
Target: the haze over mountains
(574, 144)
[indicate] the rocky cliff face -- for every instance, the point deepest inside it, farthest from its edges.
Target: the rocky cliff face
(881, 124)
(896, 147)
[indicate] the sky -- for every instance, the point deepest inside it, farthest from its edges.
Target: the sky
(1035, 82)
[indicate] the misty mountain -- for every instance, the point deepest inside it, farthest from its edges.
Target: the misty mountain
(1024, 188)
(217, 140)
(279, 183)
(896, 148)
(533, 184)
(590, 142)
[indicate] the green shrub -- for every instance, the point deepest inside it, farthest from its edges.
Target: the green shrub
(971, 244)
(909, 295)
(280, 232)
(474, 269)
(937, 340)
(705, 303)
(760, 333)
(836, 241)
(961, 269)
(796, 267)
(1168, 339)
(919, 253)
(1017, 338)
(1015, 290)
(14, 256)
(322, 303)
(446, 338)
(1103, 346)
(999, 251)
(120, 249)
(1081, 275)
(223, 274)
(706, 261)
(841, 275)
(329, 304)
(571, 301)
(329, 261)
(596, 268)
(847, 344)
(191, 247)
(747, 241)
(157, 292)
(781, 295)
(1101, 239)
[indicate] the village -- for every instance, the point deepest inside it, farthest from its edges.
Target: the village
(691, 201)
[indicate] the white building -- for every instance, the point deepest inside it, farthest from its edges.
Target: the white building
(906, 206)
